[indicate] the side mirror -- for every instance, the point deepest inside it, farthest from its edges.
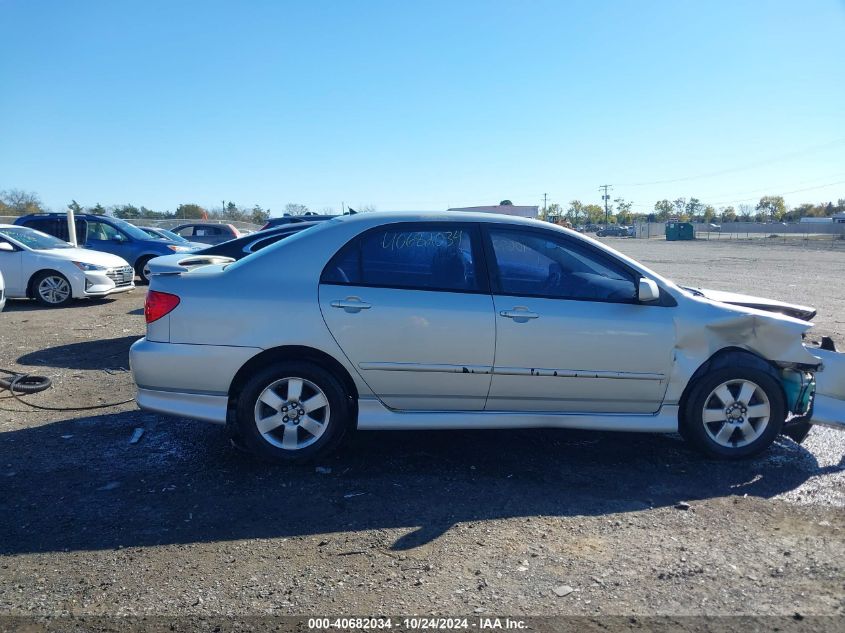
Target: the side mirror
(5, 246)
(648, 291)
(118, 238)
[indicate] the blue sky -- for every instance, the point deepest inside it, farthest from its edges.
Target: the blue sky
(421, 105)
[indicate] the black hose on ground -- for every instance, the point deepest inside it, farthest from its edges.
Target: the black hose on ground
(24, 383)
(28, 384)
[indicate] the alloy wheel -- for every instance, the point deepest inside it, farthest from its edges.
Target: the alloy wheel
(54, 289)
(292, 413)
(736, 413)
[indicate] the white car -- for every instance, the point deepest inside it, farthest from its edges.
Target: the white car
(2, 293)
(39, 266)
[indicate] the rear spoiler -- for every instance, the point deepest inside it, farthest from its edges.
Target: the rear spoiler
(178, 264)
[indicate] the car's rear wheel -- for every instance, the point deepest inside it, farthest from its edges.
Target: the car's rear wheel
(292, 412)
(52, 289)
(734, 413)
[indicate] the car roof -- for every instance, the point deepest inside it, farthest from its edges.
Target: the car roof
(375, 218)
(201, 223)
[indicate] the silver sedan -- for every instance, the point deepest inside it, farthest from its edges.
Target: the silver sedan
(464, 321)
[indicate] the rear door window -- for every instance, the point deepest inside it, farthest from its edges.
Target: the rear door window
(435, 256)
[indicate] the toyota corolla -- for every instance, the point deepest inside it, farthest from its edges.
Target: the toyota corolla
(467, 321)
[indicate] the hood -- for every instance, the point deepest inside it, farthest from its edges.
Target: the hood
(805, 313)
(84, 255)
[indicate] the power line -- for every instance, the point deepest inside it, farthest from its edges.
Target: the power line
(740, 168)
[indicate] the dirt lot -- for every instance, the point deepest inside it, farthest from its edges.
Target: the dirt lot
(449, 523)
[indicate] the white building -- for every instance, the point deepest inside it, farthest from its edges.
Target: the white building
(506, 209)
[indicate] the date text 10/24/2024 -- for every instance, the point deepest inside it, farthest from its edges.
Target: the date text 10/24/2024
(417, 623)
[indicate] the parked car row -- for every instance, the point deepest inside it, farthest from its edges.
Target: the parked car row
(39, 264)
(107, 235)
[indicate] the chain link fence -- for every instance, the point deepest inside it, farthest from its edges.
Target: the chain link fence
(784, 232)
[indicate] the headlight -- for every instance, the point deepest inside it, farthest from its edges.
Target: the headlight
(179, 249)
(88, 267)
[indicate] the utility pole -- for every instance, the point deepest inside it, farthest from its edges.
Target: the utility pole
(545, 198)
(606, 198)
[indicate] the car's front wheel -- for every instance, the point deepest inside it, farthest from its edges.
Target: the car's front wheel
(734, 413)
(52, 289)
(292, 412)
(142, 269)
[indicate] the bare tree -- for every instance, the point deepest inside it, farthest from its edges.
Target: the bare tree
(293, 208)
(745, 211)
(20, 202)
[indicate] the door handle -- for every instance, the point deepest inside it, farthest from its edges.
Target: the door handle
(520, 315)
(351, 305)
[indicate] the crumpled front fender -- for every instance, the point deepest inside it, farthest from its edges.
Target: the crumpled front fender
(709, 328)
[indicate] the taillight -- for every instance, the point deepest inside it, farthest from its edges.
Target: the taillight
(158, 304)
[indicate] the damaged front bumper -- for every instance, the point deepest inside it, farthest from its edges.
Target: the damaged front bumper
(829, 402)
(816, 399)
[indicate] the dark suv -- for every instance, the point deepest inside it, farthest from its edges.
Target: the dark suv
(106, 234)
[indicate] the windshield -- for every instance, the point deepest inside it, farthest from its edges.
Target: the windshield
(172, 236)
(130, 229)
(33, 239)
(164, 234)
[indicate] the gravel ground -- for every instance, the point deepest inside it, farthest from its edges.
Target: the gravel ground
(530, 522)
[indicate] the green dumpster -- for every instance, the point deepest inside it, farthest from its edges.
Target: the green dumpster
(679, 231)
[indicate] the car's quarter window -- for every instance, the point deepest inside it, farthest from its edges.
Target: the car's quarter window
(433, 256)
(535, 263)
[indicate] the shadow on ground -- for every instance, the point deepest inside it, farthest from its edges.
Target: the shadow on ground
(80, 485)
(93, 354)
(30, 305)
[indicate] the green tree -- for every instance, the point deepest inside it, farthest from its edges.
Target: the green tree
(594, 213)
(728, 214)
(190, 211)
(575, 211)
(773, 206)
(694, 208)
(623, 211)
(75, 207)
(709, 213)
(126, 211)
(98, 209)
(506, 203)
(664, 209)
(259, 215)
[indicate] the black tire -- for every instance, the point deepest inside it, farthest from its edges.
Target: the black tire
(339, 409)
(139, 269)
(41, 297)
(694, 430)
